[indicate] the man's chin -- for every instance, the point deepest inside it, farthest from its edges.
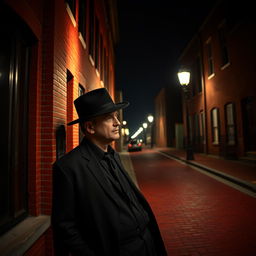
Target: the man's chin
(116, 136)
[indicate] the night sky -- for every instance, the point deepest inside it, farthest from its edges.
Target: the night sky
(153, 34)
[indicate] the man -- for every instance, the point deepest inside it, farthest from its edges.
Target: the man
(97, 209)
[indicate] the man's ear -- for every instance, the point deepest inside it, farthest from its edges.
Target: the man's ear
(89, 127)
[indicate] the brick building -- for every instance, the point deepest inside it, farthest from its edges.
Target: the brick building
(222, 104)
(168, 117)
(51, 52)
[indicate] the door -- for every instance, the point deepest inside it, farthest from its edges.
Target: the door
(249, 123)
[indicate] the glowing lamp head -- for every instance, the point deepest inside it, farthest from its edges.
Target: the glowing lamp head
(150, 118)
(184, 77)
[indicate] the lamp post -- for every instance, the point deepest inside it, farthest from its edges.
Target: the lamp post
(125, 132)
(184, 77)
(151, 119)
(145, 125)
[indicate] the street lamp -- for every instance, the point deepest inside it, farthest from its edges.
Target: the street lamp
(145, 125)
(184, 77)
(151, 119)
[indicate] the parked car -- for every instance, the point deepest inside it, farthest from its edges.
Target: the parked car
(134, 145)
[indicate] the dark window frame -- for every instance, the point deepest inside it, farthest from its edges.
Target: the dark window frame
(210, 58)
(231, 136)
(92, 29)
(14, 176)
(82, 19)
(223, 46)
(97, 42)
(215, 127)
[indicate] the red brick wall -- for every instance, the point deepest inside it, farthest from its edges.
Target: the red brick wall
(58, 49)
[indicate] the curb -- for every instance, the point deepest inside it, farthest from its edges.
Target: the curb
(237, 181)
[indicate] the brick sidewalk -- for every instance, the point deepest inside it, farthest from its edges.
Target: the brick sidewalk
(237, 171)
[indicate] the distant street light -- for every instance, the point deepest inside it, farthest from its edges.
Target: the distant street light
(184, 77)
(145, 125)
(151, 119)
(124, 123)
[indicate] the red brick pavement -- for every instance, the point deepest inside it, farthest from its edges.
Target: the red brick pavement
(197, 214)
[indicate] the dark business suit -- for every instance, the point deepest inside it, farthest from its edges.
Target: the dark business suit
(86, 212)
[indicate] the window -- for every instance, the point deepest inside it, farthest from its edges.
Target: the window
(15, 52)
(210, 59)
(223, 46)
(105, 67)
(215, 126)
(199, 74)
(72, 6)
(101, 58)
(230, 123)
(91, 30)
(80, 92)
(60, 141)
(82, 18)
(97, 42)
(70, 117)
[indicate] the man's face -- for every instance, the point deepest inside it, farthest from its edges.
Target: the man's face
(106, 127)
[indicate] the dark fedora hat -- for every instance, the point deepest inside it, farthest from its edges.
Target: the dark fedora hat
(95, 103)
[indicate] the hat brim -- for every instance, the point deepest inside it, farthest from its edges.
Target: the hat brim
(116, 107)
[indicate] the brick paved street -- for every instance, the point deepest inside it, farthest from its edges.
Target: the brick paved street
(197, 214)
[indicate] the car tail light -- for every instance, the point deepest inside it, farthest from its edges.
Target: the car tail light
(129, 145)
(139, 144)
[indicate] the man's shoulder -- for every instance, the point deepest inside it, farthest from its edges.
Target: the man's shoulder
(70, 158)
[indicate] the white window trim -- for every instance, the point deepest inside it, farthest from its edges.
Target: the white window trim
(91, 60)
(70, 14)
(81, 38)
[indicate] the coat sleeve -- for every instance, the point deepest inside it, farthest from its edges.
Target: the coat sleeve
(65, 231)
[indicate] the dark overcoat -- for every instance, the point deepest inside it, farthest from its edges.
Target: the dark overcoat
(85, 214)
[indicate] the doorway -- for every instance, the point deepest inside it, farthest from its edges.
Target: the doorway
(249, 123)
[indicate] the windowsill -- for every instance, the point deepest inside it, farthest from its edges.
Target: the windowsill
(91, 60)
(225, 66)
(20, 238)
(70, 14)
(211, 76)
(97, 72)
(81, 38)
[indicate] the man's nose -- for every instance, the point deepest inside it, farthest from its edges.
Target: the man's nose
(116, 121)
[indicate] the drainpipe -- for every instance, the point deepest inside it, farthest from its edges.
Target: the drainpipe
(204, 93)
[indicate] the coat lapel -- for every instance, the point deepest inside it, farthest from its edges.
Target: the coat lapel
(97, 171)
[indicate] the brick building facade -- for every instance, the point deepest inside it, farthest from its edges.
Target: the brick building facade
(168, 117)
(222, 103)
(51, 52)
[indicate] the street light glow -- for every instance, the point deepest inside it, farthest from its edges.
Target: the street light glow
(145, 125)
(150, 118)
(124, 122)
(126, 131)
(184, 77)
(137, 133)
